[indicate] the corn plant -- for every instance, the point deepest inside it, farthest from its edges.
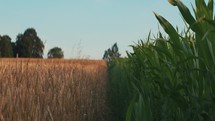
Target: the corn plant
(118, 89)
(173, 77)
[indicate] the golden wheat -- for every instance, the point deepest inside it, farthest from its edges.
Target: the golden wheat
(52, 89)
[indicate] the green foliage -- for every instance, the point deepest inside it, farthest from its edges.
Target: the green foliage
(112, 53)
(29, 44)
(5, 46)
(55, 52)
(118, 89)
(173, 78)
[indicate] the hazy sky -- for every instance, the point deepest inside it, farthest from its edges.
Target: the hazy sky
(89, 26)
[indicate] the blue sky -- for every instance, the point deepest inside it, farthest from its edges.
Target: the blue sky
(86, 28)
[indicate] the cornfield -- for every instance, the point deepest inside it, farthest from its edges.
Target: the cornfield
(52, 90)
(172, 77)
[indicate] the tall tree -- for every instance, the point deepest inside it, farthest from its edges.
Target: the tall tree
(6, 49)
(29, 44)
(55, 52)
(13, 44)
(112, 53)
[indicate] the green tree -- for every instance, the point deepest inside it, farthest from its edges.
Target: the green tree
(29, 44)
(55, 52)
(112, 53)
(13, 44)
(5, 46)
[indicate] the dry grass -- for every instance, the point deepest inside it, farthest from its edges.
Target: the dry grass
(52, 90)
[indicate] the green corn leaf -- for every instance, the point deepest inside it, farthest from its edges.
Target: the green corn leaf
(169, 29)
(200, 8)
(211, 22)
(185, 12)
(210, 47)
(148, 38)
(211, 8)
(162, 47)
(130, 109)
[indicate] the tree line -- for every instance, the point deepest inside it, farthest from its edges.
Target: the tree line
(27, 45)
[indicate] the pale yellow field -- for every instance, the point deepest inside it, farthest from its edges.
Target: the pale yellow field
(52, 90)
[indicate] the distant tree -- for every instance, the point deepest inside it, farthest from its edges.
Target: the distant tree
(112, 53)
(55, 52)
(29, 44)
(5, 47)
(13, 44)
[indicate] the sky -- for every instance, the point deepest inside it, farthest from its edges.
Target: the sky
(86, 28)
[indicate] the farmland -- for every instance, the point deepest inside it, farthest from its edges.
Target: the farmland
(167, 77)
(170, 77)
(52, 89)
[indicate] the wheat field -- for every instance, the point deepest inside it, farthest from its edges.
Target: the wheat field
(53, 90)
